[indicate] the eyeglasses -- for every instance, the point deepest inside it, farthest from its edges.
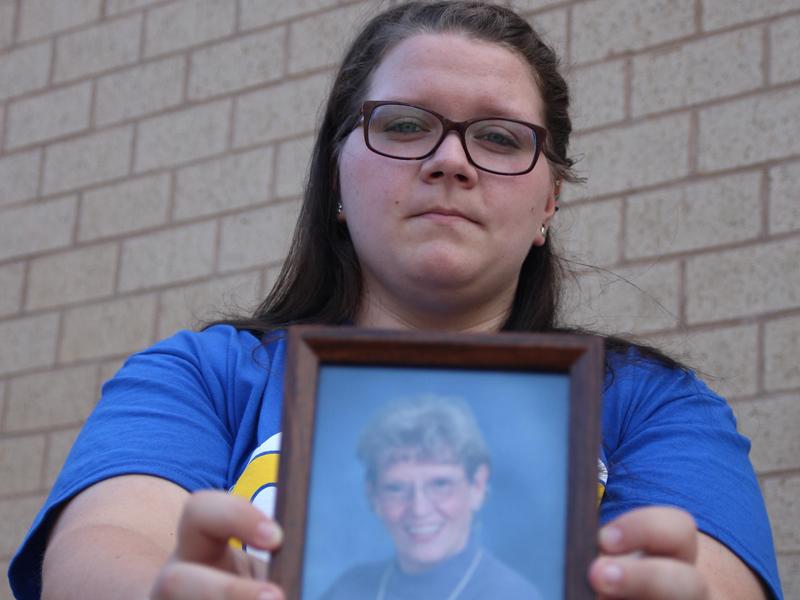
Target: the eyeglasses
(407, 132)
(437, 490)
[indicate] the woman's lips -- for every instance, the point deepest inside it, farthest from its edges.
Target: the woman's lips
(422, 532)
(445, 216)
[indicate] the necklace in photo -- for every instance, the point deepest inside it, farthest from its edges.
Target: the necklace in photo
(462, 583)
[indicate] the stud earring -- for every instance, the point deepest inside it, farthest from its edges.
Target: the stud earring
(544, 231)
(339, 208)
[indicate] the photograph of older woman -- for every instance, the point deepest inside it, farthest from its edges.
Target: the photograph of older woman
(427, 476)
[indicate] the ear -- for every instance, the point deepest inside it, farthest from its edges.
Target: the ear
(478, 487)
(550, 208)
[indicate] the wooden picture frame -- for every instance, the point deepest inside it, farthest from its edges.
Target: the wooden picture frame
(339, 359)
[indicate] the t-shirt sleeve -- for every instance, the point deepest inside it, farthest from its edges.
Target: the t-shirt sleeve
(171, 412)
(669, 440)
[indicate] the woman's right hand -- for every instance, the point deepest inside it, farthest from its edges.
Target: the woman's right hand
(204, 565)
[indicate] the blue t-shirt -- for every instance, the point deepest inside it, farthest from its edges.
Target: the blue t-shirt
(203, 411)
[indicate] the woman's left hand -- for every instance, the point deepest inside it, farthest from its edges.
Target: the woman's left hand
(649, 553)
(657, 553)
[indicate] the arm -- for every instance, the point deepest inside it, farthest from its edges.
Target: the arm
(670, 441)
(727, 575)
(657, 553)
(143, 537)
(112, 539)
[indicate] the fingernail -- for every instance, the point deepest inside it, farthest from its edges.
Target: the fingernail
(610, 537)
(267, 595)
(268, 533)
(610, 576)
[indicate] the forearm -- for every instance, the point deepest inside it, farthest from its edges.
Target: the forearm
(103, 562)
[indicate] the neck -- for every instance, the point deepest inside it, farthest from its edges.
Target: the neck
(385, 319)
(383, 311)
(412, 567)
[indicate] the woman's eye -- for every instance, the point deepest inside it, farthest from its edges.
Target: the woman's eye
(498, 138)
(394, 489)
(404, 127)
(442, 485)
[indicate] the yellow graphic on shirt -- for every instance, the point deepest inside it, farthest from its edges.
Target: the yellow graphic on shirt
(258, 481)
(260, 471)
(602, 480)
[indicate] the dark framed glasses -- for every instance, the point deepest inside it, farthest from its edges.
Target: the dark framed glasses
(494, 144)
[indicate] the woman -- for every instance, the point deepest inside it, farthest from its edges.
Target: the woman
(455, 239)
(427, 473)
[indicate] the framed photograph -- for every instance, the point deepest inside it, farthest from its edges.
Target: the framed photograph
(438, 465)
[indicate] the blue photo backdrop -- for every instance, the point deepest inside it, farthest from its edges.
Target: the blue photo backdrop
(524, 419)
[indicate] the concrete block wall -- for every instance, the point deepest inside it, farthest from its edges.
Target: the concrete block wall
(152, 154)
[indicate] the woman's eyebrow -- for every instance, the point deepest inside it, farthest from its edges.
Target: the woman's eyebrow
(488, 107)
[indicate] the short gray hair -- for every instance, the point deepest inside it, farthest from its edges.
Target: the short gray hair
(426, 427)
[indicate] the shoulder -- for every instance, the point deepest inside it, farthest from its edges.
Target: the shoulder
(633, 368)
(639, 387)
(212, 358)
(659, 411)
(216, 343)
(359, 581)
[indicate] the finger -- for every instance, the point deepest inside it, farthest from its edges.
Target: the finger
(259, 568)
(646, 578)
(190, 581)
(211, 518)
(239, 562)
(245, 563)
(654, 530)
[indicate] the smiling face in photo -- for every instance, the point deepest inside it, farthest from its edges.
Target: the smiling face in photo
(427, 508)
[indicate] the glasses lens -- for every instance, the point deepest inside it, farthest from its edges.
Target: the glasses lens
(403, 131)
(500, 145)
(437, 490)
(441, 488)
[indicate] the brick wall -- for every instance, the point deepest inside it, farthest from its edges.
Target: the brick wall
(152, 154)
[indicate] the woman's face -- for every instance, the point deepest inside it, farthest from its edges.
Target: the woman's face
(427, 508)
(438, 236)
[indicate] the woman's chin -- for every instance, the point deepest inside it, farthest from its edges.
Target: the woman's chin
(446, 270)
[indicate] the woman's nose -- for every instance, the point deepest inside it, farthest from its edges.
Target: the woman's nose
(420, 503)
(450, 161)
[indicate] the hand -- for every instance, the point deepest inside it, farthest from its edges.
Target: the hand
(649, 554)
(204, 565)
